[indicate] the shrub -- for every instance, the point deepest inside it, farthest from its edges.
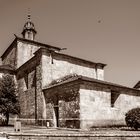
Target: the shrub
(132, 118)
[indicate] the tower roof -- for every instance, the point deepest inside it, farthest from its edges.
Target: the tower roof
(29, 25)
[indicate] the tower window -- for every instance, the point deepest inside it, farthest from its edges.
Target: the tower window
(30, 35)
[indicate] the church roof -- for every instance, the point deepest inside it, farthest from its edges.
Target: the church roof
(30, 42)
(39, 43)
(101, 65)
(110, 85)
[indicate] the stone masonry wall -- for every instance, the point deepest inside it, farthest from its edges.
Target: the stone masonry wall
(96, 110)
(50, 114)
(69, 113)
(62, 66)
(10, 59)
(27, 98)
(30, 86)
(25, 51)
(66, 100)
(41, 104)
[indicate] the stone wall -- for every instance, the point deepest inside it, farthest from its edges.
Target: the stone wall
(25, 51)
(96, 108)
(73, 136)
(69, 113)
(40, 98)
(57, 66)
(29, 78)
(10, 59)
(50, 114)
(19, 53)
(66, 100)
(26, 93)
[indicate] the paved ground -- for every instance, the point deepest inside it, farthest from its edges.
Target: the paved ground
(36, 131)
(42, 133)
(44, 130)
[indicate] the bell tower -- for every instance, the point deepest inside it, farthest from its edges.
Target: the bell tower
(29, 31)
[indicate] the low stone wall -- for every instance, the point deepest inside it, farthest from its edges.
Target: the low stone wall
(44, 133)
(73, 136)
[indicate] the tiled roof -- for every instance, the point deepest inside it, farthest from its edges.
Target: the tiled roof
(47, 47)
(92, 80)
(39, 43)
(28, 41)
(101, 65)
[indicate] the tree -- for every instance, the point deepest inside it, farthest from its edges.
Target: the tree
(8, 97)
(132, 118)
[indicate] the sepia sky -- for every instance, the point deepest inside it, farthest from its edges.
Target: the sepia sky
(106, 31)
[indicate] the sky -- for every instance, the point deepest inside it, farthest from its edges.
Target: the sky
(105, 31)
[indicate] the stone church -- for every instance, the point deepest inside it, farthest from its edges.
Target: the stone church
(60, 90)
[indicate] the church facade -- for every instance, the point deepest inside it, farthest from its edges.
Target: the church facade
(59, 90)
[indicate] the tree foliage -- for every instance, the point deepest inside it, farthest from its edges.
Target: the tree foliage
(132, 118)
(8, 96)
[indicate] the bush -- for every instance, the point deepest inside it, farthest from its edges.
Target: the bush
(132, 118)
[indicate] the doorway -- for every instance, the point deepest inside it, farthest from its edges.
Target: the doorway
(56, 112)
